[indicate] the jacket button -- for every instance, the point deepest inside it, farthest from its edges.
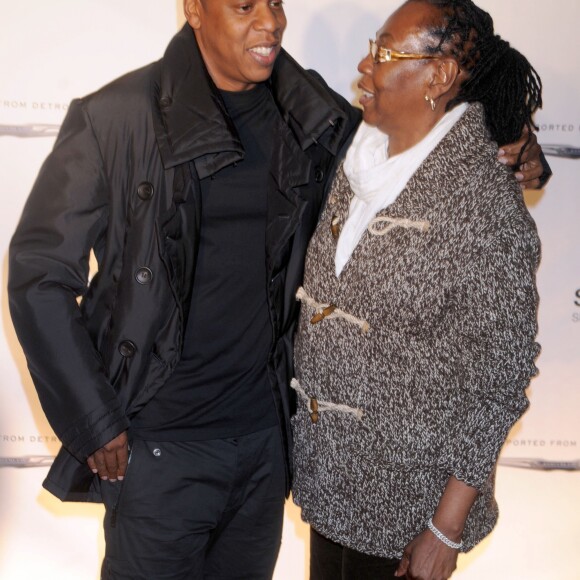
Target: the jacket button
(143, 275)
(145, 190)
(318, 175)
(127, 349)
(165, 101)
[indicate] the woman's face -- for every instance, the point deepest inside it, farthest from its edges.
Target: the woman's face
(394, 92)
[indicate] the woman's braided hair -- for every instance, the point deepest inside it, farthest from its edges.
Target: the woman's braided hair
(499, 77)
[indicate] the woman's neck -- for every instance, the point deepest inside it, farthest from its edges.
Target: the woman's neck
(407, 137)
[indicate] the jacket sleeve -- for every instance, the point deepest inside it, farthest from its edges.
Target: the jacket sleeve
(62, 220)
(547, 170)
(496, 326)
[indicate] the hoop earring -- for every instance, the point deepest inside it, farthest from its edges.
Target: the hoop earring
(431, 102)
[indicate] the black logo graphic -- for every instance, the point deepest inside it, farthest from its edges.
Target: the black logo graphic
(29, 130)
(27, 461)
(539, 464)
(565, 151)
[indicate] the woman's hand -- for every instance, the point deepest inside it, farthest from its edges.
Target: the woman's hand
(531, 168)
(427, 558)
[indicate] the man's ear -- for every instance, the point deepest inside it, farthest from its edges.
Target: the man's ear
(444, 78)
(192, 10)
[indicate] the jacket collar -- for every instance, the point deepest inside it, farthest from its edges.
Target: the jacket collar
(191, 122)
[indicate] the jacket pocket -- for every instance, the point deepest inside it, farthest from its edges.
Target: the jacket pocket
(112, 492)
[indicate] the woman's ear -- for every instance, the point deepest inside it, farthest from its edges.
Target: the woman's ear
(444, 80)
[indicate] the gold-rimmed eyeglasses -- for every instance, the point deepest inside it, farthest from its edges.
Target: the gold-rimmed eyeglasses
(381, 54)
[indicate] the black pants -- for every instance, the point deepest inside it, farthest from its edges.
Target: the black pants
(197, 510)
(331, 561)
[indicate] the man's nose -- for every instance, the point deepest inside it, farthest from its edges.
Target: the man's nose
(267, 19)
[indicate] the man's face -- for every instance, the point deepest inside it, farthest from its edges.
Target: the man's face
(239, 39)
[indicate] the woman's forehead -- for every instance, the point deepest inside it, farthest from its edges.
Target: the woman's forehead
(412, 21)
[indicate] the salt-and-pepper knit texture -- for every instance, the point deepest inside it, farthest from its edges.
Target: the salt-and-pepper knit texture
(441, 373)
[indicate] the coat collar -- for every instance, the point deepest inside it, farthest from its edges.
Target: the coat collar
(191, 122)
(463, 157)
(465, 152)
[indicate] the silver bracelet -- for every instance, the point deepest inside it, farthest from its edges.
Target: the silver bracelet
(440, 536)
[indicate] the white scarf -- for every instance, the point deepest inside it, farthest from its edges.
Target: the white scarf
(377, 180)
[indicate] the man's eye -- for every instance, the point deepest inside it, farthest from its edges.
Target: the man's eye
(245, 7)
(277, 4)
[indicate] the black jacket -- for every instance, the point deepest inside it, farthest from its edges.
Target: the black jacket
(123, 182)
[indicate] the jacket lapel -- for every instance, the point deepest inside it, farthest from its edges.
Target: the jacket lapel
(306, 106)
(191, 122)
(192, 125)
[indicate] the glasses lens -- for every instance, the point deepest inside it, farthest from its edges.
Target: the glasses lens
(373, 49)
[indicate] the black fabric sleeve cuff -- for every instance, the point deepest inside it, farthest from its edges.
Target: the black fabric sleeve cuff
(547, 173)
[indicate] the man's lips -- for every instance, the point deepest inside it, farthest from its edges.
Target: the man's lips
(264, 54)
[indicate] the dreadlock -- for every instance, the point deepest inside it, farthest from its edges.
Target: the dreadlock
(499, 77)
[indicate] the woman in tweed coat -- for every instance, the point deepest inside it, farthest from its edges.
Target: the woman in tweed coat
(416, 337)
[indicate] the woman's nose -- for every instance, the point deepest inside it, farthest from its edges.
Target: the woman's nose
(365, 66)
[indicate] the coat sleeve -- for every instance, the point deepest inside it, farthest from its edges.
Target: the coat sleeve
(62, 220)
(495, 322)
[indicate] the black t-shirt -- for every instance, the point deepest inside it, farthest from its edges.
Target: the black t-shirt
(220, 388)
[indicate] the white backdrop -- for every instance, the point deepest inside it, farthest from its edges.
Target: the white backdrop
(53, 51)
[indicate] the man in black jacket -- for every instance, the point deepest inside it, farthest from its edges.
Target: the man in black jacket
(197, 182)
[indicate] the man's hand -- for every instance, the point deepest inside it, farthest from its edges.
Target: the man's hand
(110, 461)
(427, 558)
(531, 167)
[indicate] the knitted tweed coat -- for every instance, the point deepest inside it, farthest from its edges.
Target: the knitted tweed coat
(421, 370)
